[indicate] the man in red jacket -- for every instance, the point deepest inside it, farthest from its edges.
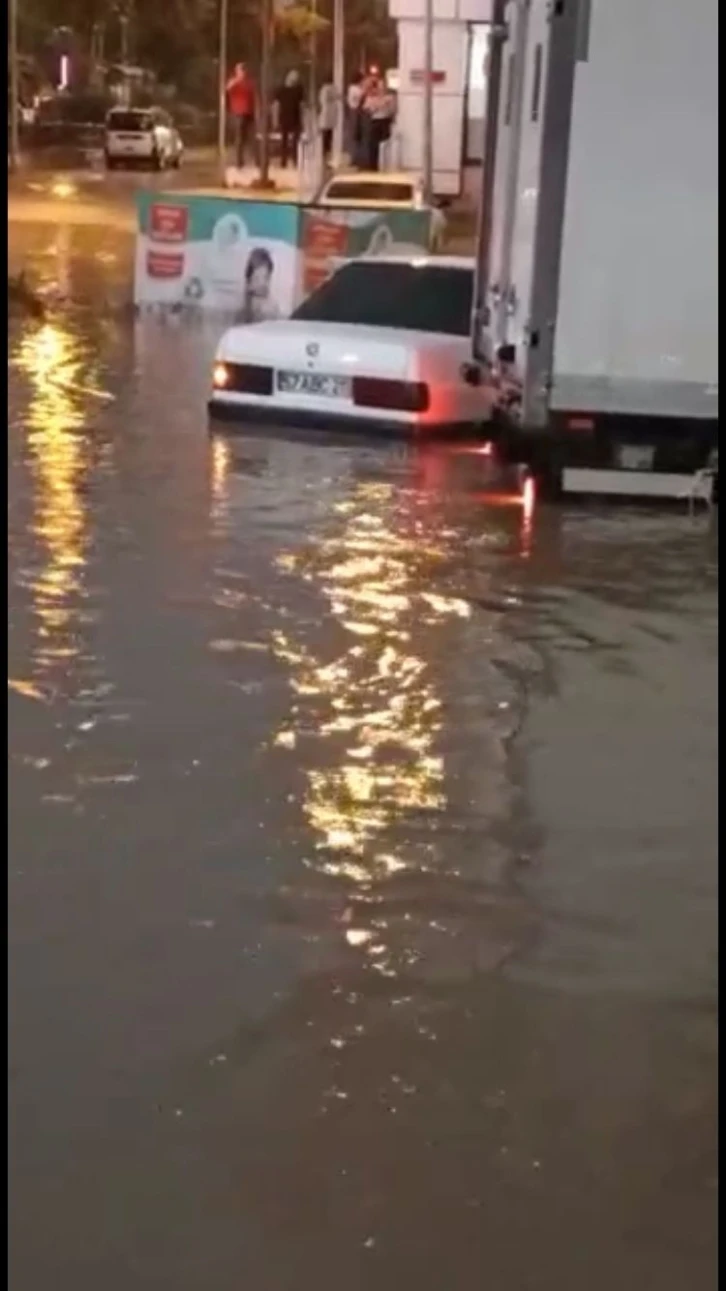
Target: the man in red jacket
(242, 97)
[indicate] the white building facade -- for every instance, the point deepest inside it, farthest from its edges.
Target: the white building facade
(460, 54)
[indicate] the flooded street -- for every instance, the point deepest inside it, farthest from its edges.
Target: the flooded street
(362, 848)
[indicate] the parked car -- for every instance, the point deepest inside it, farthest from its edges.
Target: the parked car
(382, 345)
(381, 190)
(141, 136)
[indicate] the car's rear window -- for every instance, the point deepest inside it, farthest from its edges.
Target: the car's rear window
(351, 190)
(382, 293)
(129, 121)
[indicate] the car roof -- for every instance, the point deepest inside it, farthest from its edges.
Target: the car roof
(419, 261)
(374, 177)
(118, 108)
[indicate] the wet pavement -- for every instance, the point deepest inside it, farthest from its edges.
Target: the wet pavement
(362, 847)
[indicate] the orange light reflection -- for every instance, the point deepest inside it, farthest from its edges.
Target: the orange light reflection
(49, 358)
(373, 706)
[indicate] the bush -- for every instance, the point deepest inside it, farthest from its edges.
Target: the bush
(75, 109)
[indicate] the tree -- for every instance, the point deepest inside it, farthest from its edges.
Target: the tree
(178, 40)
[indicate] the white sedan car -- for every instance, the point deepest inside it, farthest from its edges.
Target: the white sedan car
(141, 136)
(384, 344)
(381, 190)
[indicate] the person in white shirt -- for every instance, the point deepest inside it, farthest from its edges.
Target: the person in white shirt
(354, 97)
(354, 120)
(379, 108)
(327, 116)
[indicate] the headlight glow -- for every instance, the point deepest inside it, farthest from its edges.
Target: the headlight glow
(220, 376)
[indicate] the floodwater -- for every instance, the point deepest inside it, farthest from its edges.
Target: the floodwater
(362, 849)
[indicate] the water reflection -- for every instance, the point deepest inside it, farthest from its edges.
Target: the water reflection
(366, 719)
(220, 465)
(52, 361)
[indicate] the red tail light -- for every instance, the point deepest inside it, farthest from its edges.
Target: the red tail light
(398, 396)
(243, 378)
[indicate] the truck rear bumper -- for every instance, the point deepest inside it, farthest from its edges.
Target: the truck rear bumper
(622, 456)
(696, 487)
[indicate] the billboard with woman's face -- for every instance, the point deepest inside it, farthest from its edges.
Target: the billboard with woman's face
(255, 261)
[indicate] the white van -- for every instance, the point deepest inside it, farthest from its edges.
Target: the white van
(141, 136)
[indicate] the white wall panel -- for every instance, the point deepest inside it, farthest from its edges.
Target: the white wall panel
(638, 287)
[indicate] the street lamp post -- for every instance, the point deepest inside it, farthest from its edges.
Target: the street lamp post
(263, 180)
(313, 70)
(338, 78)
(428, 102)
(14, 150)
(222, 88)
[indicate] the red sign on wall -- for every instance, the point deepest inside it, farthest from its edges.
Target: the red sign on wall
(324, 242)
(418, 77)
(165, 264)
(168, 223)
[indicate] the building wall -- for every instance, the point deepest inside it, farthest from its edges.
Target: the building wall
(452, 42)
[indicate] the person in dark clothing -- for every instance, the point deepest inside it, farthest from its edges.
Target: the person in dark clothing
(359, 122)
(290, 99)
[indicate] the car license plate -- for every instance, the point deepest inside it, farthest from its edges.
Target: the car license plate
(313, 383)
(636, 457)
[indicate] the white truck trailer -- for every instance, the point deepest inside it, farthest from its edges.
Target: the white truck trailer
(603, 260)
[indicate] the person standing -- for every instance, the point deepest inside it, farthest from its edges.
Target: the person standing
(359, 121)
(242, 99)
(290, 99)
(327, 117)
(378, 109)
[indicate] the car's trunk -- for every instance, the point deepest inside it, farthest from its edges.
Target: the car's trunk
(327, 347)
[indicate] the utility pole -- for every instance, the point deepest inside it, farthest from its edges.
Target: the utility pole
(313, 79)
(14, 150)
(338, 78)
(480, 315)
(97, 53)
(428, 102)
(124, 21)
(263, 180)
(222, 88)
(124, 29)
